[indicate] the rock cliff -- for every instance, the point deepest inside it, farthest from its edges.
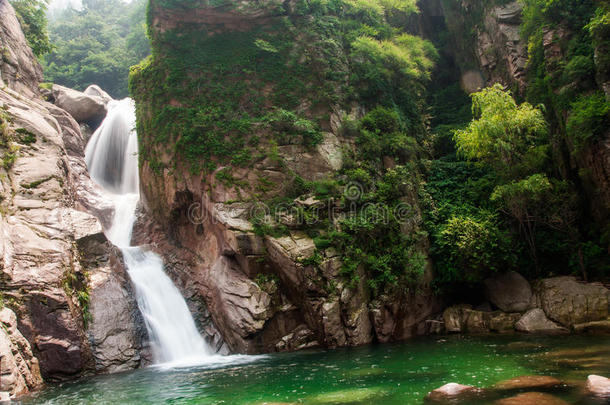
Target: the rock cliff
(71, 310)
(238, 203)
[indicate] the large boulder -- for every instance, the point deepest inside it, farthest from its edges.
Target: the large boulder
(83, 107)
(510, 292)
(535, 321)
(598, 386)
(569, 302)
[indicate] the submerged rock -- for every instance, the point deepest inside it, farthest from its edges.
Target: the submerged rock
(531, 398)
(451, 392)
(528, 382)
(535, 321)
(598, 386)
(509, 291)
(348, 396)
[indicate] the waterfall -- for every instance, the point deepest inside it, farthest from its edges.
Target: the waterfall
(112, 160)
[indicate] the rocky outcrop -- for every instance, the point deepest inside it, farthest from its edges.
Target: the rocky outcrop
(510, 292)
(265, 291)
(19, 370)
(19, 69)
(556, 305)
(501, 51)
(569, 302)
(115, 328)
(48, 243)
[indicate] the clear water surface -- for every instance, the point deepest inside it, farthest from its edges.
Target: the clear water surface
(401, 373)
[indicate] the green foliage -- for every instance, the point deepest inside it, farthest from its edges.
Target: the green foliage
(31, 15)
(287, 125)
(372, 239)
(503, 134)
(472, 248)
(97, 45)
(589, 119)
(235, 86)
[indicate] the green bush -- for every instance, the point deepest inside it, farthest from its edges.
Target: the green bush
(471, 248)
(589, 119)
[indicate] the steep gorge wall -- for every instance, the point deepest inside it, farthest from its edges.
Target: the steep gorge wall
(491, 46)
(71, 311)
(243, 108)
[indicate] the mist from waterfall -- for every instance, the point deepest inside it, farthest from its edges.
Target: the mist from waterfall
(112, 158)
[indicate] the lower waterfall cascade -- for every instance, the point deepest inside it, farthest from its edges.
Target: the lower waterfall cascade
(112, 159)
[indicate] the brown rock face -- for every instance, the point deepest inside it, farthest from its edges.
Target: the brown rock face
(19, 69)
(265, 292)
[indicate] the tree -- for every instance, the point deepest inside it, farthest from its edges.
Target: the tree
(31, 15)
(507, 136)
(97, 44)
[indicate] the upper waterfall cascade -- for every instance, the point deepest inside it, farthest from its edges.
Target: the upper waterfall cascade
(112, 160)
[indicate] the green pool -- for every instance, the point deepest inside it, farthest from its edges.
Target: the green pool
(399, 373)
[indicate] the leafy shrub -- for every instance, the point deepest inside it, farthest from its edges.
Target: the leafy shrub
(471, 248)
(589, 119)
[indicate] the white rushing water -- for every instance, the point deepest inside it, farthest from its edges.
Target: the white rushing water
(112, 159)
